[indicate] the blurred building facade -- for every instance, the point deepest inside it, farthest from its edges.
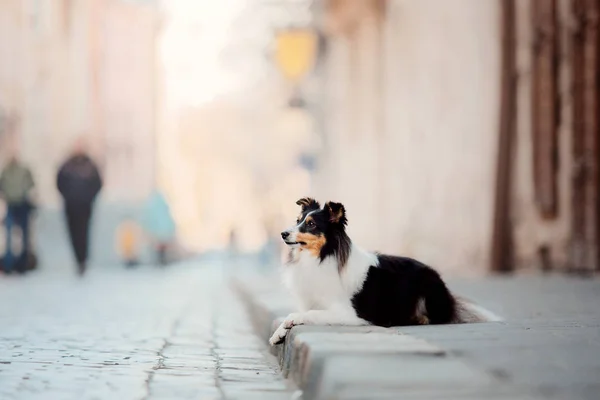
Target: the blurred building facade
(460, 132)
(81, 67)
(464, 132)
(229, 144)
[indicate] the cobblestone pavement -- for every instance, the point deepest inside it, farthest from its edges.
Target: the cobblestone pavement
(175, 333)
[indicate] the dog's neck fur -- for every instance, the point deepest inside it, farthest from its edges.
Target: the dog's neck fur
(324, 283)
(338, 245)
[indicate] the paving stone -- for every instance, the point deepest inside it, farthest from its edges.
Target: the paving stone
(392, 372)
(232, 344)
(190, 340)
(238, 375)
(250, 387)
(189, 363)
(246, 366)
(257, 395)
(195, 381)
(181, 371)
(191, 390)
(238, 353)
(179, 350)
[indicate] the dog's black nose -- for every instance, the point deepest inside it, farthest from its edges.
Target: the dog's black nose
(284, 235)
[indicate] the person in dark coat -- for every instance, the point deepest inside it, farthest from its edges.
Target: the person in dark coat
(79, 183)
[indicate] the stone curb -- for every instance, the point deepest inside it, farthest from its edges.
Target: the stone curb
(333, 361)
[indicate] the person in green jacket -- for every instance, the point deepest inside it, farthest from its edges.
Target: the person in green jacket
(16, 185)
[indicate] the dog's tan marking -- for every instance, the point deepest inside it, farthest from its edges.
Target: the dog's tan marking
(314, 243)
(421, 320)
(420, 317)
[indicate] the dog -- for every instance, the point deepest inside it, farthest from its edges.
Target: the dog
(338, 283)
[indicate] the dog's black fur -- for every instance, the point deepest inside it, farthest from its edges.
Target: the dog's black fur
(392, 290)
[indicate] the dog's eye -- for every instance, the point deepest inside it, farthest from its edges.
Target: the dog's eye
(310, 224)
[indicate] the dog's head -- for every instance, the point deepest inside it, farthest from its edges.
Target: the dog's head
(318, 230)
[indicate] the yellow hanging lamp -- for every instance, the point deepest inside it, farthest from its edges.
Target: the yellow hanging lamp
(296, 52)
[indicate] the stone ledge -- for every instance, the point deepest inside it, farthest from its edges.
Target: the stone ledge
(409, 378)
(339, 362)
(308, 351)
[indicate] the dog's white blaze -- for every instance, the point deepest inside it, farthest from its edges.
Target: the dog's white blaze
(294, 231)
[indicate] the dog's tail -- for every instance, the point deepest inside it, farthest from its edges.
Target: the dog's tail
(468, 312)
(441, 306)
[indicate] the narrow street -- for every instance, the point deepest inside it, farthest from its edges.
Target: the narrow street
(148, 333)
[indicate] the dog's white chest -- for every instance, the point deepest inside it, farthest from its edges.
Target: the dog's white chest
(317, 286)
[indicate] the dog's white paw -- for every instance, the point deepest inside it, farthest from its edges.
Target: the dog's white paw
(283, 329)
(279, 335)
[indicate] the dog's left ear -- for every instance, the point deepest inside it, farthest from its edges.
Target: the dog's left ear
(308, 203)
(337, 212)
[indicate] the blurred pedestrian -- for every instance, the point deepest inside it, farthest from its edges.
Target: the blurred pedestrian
(16, 186)
(158, 224)
(234, 253)
(79, 183)
(128, 234)
(233, 243)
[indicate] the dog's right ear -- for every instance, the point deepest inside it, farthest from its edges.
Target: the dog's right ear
(308, 203)
(337, 212)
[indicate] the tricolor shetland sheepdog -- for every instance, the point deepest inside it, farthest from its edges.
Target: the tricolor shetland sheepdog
(338, 283)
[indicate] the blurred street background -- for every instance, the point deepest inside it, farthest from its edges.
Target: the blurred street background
(180, 133)
(463, 133)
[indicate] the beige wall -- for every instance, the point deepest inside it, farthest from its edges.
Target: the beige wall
(11, 54)
(128, 94)
(46, 85)
(413, 155)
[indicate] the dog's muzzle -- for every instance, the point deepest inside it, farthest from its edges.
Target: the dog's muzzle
(290, 239)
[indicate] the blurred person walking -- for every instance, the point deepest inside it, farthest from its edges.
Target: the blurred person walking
(233, 248)
(128, 234)
(79, 183)
(158, 224)
(16, 186)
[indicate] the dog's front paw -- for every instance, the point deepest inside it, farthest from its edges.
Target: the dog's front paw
(283, 329)
(279, 335)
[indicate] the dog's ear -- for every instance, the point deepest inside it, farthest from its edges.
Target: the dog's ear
(337, 212)
(308, 203)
